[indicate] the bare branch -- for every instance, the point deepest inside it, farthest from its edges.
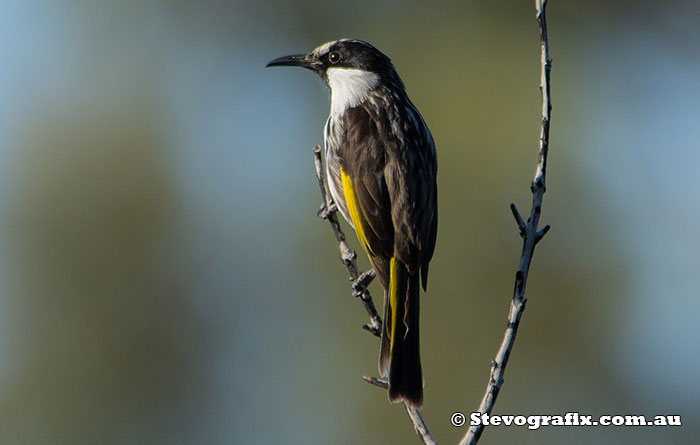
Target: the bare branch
(531, 236)
(375, 381)
(420, 426)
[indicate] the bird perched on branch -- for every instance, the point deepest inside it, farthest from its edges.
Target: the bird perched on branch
(381, 166)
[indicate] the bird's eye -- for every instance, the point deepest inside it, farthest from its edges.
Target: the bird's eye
(334, 57)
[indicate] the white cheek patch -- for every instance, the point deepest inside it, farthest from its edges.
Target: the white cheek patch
(349, 87)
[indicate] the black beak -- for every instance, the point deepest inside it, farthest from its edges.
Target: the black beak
(301, 60)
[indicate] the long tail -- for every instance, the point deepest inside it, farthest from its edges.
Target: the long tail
(399, 357)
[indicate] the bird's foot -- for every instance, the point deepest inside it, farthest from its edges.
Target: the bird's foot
(325, 211)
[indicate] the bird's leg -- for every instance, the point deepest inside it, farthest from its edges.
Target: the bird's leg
(327, 208)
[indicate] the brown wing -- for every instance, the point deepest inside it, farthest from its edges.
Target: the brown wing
(362, 160)
(392, 174)
(411, 172)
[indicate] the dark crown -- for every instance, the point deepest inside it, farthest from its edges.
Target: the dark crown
(345, 53)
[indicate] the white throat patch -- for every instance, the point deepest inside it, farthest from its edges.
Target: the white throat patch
(349, 87)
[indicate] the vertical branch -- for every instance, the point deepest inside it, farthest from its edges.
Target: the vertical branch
(530, 234)
(546, 63)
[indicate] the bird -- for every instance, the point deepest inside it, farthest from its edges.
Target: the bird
(380, 169)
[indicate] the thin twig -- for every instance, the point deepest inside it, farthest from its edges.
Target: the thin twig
(375, 381)
(420, 426)
(530, 234)
(413, 413)
(328, 211)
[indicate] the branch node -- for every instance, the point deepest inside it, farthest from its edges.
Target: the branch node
(538, 184)
(363, 280)
(348, 256)
(374, 330)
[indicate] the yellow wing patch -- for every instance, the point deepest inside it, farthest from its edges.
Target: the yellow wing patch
(395, 268)
(353, 209)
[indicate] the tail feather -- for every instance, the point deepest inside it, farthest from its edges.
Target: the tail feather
(400, 349)
(385, 351)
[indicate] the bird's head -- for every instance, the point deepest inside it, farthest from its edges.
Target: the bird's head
(347, 65)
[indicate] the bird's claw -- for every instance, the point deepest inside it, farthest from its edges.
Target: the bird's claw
(325, 211)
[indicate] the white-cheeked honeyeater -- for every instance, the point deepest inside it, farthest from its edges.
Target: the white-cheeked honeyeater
(380, 166)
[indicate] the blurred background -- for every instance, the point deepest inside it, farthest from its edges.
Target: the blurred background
(164, 278)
